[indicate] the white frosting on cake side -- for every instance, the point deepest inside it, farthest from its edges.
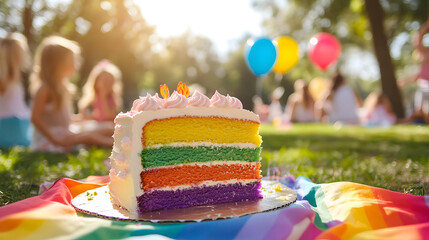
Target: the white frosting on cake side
(124, 166)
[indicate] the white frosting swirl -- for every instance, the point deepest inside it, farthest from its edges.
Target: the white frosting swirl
(136, 104)
(145, 104)
(176, 100)
(198, 100)
(160, 101)
(234, 102)
(218, 100)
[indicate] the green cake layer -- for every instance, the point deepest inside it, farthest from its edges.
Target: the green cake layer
(164, 156)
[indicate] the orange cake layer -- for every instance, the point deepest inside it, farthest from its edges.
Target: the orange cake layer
(189, 174)
(200, 129)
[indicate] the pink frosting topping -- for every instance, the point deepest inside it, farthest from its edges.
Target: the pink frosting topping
(161, 101)
(233, 102)
(218, 100)
(145, 104)
(136, 104)
(198, 100)
(176, 100)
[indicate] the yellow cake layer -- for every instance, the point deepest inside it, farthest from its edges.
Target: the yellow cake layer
(200, 129)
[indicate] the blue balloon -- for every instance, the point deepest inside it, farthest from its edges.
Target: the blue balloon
(260, 55)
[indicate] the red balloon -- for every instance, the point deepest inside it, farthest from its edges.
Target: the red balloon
(324, 50)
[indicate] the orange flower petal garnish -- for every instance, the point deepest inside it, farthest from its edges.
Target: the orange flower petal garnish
(163, 89)
(183, 89)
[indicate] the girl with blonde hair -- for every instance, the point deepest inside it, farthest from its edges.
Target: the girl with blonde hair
(102, 93)
(55, 62)
(300, 105)
(14, 113)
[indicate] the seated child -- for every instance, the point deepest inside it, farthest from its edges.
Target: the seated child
(54, 64)
(102, 93)
(300, 105)
(14, 113)
(378, 111)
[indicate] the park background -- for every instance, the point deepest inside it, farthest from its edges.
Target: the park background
(395, 158)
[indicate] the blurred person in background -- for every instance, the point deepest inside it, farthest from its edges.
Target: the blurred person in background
(340, 103)
(421, 97)
(378, 111)
(260, 108)
(102, 93)
(300, 105)
(14, 113)
(54, 64)
(275, 111)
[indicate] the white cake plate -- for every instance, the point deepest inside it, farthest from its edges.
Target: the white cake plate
(275, 195)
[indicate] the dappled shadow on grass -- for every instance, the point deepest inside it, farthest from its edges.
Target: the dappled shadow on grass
(22, 171)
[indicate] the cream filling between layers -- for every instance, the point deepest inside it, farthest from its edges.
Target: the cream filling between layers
(126, 189)
(123, 185)
(205, 184)
(212, 163)
(207, 144)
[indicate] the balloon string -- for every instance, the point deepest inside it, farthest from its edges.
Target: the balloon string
(326, 74)
(278, 77)
(259, 86)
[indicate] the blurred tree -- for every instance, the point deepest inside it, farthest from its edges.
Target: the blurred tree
(349, 22)
(240, 81)
(26, 16)
(111, 29)
(107, 29)
(116, 30)
(188, 58)
(387, 70)
(238, 78)
(21, 15)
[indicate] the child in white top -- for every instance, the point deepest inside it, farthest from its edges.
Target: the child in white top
(341, 103)
(14, 113)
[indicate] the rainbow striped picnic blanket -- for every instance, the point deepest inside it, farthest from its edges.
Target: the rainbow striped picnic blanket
(341, 210)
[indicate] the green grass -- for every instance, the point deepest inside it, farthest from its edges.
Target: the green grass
(22, 171)
(395, 158)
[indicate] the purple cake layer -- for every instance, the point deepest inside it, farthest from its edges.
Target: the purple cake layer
(201, 195)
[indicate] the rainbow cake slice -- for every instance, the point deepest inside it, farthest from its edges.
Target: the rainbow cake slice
(181, 152)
